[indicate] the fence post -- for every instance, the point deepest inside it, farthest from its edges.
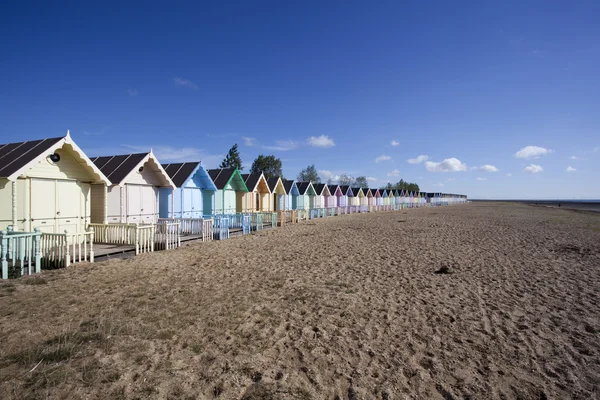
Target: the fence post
(36, 249)
(67, 255)
(137, 240)
(91, 231)
(3, 251)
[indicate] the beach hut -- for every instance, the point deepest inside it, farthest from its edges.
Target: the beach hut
(347, 193)
(386, 197)
(230, 190)
(135, 180)
(258, 197)
(368, 196)
(279, 194)
(292, 194)
(321, 195)
(194, 193)
(49, 184)
(335, 196)
(306, 198)
(357, 195)
(398, 198)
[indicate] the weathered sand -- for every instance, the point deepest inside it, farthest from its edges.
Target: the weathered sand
(347, 307)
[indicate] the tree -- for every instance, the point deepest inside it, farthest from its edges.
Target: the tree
(233, 159)
(268, 165)
(309, 174)
(346, 180)
(361, 182)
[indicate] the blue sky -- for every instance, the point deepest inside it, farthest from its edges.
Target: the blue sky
(502, 99)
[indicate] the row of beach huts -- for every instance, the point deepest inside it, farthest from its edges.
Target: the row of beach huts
(59, 206)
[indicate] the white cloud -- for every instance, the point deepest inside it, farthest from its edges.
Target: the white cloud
(394, 173)
(571, 169)
(418, 160)
(184, 83)
(532, 152)
(382, 157)
(482, 179)
(575, 158)
(451, 179)
(326, 175)
(487, 168)
(395, 143)
(533, 169)
(132, 92)
(370, 178)
(438, 184)
(249, 141)
(448, 165)
(282, 145)
(509, 174)
(321, 141)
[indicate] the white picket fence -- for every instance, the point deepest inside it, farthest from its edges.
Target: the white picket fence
(140, 236)
(60, 250)
(167, 235)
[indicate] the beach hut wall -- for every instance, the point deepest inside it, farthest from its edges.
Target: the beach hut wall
(293, 194)
(335, 195)
(278, 194)
(306, 198)
(258, 197)
(194, 193)
(133, 194)
(51, 185)
(321, 194)
(231, 188)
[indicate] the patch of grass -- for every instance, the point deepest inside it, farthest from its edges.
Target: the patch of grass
(196, 348)
(34, 280)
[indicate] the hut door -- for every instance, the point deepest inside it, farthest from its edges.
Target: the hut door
(148, 203)
(188, 201)
(68, 210)
(134, 204)
(196, 203)
(257, 197)
(43, 205)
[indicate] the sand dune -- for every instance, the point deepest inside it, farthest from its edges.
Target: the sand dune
(347, 307)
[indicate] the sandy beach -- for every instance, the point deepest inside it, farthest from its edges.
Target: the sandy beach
(341, 308)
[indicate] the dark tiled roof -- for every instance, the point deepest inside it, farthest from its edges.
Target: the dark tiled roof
(221, 176)
(355, 191)
(116, 168)
(302, 187)
(272, 183)
(344, 189)
(319, 187)
(251, 180)
(332, 189)
(366, 190)
(180, 172)
(14, 156)
(287, 185)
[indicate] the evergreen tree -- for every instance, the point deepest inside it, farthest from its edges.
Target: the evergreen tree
(268, 165)
(233, 159)
(309, 174)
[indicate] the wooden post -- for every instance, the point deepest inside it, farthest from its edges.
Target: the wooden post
(14, 203)
(67, 255)
(91, 231)
(137, 240)
(105, 219)
(37, 252)
(3, 251)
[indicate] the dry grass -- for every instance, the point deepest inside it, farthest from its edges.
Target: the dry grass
(346, 308)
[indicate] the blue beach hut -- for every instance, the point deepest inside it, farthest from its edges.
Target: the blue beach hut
(194, 193)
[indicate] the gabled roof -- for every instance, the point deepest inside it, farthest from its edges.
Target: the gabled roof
(375, 192)
(252, 181)
(366, 191)
(18, 158)
(347, 190)
(333, 189)
(303, 187)
(356, 191)
(319, 187)
(181, 173)
(287, 185)
(118, 168)
(272, 183)
(222, 176)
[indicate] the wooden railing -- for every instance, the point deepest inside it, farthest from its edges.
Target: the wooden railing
(269, 219)
(139, 236)
(19, 253)
(207, 230)
(167, 235)
(281, 218)
(59, 250)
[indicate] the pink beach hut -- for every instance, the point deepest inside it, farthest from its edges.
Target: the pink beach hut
(334, 199)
